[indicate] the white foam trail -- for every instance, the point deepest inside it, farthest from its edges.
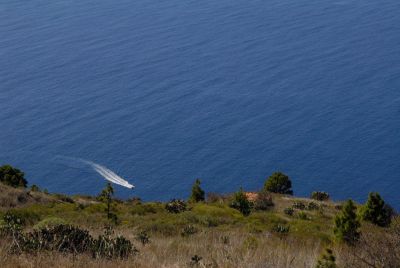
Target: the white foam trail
(103, 171)
(109, 175)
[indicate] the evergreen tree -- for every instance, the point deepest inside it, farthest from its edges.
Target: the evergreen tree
(376, 211)
(197, 192)
(278, 183)
(241, 203)
(327, 260)
(12, 176)
(106, 197)
(347, 224)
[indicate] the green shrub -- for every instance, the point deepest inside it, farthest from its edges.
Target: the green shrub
(281, 229)
(188, 230)
(11, 225)
(299, 205)
(263, 201)
(241, 203)
(320, 196)
(289, 211)
(195, 261)
(376, 211)
(107, 247)
(35, 188)
(12, 176)
(106, 196)
(312, 206)
(346, 224)
(197, 193)
(176, 206)
(143, 237)
(278, 183)
(327, 260)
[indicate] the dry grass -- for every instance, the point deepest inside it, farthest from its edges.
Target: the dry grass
(216, 249)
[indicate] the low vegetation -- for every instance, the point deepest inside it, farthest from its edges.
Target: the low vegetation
(257, 229)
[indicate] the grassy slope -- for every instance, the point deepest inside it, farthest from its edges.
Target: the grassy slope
(224, 237)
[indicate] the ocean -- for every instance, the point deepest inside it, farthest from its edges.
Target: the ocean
(164, 92)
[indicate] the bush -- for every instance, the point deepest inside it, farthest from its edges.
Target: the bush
(35, 188)
(107, 247)
(327, 260)
(12, 176)
(143, 237)
(12, 225)
(299, 205)
(281, 229)
(320, 196)
(188, 230)
(263, 201)
(241, 203)
(278, 183)
(312, 206)
(176, 206)
(376, 211)
(346, 224)
(197, 193)
(289, 211)
(62, 238)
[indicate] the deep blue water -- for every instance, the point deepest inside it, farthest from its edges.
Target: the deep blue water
(163, 92)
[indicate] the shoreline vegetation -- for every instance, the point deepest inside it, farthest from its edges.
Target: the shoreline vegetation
(267, 228)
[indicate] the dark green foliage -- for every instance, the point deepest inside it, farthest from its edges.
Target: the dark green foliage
(35, 188)
(176, 206)
(197, 193)
(347, 224)
(195, 261)
(312, 206)
(188, 230)
(62, 238)
(278, 183)
(12, 224)
(71, 239)
(106, 197)
(299, 205)
(12, 176)
(241, 203)
(289, 211)
(320, 196)
(281, 229)
(263, 201)
(105, 246)
(143, 237)
(376, 211)
(327, 260)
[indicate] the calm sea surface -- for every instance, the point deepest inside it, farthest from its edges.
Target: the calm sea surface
(163, 92)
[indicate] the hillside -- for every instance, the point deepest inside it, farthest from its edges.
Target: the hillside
(204, 234)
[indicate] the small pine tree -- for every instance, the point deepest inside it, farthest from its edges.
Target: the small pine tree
(197, 192)
(106, 197)
(327, 260)
(241, 203)
(12, 176)
(278, 183)
(347, 224)
(376, 211)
